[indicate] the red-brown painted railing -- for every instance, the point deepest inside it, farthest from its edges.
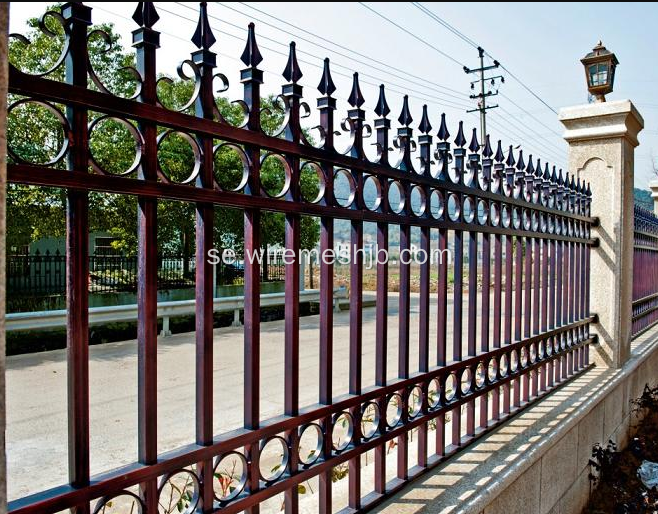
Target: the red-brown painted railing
(645, 271)
(533, 335)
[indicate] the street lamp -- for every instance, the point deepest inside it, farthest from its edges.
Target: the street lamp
(600, 66)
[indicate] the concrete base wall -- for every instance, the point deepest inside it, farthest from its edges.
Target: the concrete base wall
(537, 463)
(560, 477)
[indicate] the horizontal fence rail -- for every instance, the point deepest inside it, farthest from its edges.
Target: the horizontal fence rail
(645, 271)
(509, 328)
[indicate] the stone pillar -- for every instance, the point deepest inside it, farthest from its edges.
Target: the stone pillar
(602, 138)
(653, 185)
(4, 29)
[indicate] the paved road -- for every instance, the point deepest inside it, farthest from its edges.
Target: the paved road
(36, 392)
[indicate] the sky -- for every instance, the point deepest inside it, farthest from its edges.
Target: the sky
(410, 52)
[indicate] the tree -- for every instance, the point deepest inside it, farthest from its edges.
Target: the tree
(35, 136)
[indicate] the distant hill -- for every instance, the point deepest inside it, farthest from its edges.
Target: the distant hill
(643, 198)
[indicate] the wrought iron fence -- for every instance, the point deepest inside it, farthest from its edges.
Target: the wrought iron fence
(524, 334)
(41, 275)
(645, 271)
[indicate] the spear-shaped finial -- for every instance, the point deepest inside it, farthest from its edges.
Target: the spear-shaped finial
(547, 173)
(145, 15)
(425, 125)
(203, 36)
(510, 158)
(292, 73)
(538, 168)
(405, 116)
(487, 151)
(530, 169)
(251, 55)
(520, 164)
(500, 156)
(460, 140)
(382, 109)
(443, 133)
(589, 190)
(560, 180)
(554, 175)
(356, 99)
(326, 85)
(474, 146)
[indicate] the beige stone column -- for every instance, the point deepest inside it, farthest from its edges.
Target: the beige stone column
(4, 30)
(653, 185)
(602, 138)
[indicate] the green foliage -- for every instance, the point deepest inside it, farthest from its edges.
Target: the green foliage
(35, 135)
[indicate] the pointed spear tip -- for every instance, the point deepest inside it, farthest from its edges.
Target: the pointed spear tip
(251, 55)
(382, 109)
(292, 73)
(500, 156)
(510, 157)
(487, 151)
(356, 99)
(405, 116)
(547, 172)
(203, 37)
(474, 146)
(443, 133)
(145, 15)
(460, 140)
(326, 85)
(425, 125)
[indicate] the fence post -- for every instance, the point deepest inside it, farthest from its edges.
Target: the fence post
(602, 138)
(653, 185)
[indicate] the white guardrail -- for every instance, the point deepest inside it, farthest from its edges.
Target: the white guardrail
(44, 320)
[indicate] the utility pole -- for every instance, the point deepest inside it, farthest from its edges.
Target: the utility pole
(482, 96)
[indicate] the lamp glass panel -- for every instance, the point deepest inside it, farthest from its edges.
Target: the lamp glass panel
(598, 74)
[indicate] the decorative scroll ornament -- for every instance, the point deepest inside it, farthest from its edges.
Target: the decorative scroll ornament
(43, 27)
(108, 46)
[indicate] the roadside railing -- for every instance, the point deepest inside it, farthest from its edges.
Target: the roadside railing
(645, 271)
(50, 320)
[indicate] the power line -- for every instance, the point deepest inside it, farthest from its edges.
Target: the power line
(452, 29)
(340, 46)
(460, 34)
(327, 40)
(469, 41)
(529, 114)
(413, 35)
(446, 102)
(505, 133)
(428, 99)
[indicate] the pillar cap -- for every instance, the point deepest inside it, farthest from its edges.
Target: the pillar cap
(605, 120)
